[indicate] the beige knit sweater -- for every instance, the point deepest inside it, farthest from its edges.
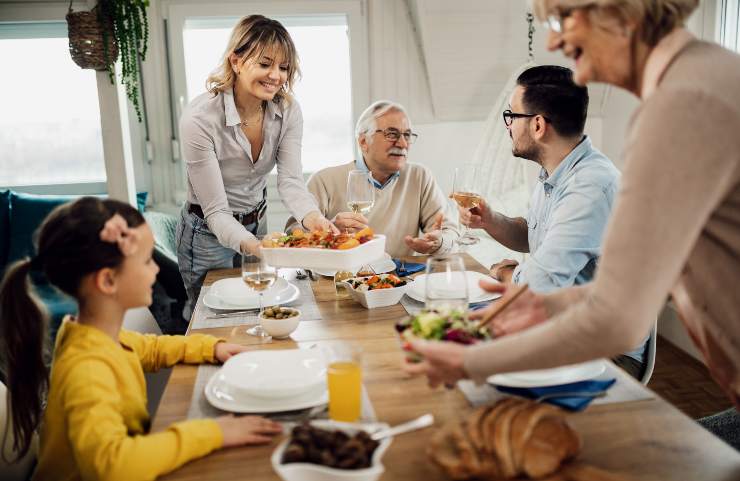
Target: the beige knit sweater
(406, 206)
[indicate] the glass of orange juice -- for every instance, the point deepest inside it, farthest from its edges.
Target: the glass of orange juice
(344, 378)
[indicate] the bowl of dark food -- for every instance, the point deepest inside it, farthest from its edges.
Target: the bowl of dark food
(329, 451)
(439, 325)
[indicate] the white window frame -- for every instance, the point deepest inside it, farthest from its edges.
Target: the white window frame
(17, 13)
(353, 10)
(728, 24)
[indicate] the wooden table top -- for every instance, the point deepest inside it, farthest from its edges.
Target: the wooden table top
(640, 440)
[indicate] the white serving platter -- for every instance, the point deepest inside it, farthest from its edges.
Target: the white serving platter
(550, 377)
(326, 259)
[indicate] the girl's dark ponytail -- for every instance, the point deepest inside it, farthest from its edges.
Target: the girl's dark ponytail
(22, 341)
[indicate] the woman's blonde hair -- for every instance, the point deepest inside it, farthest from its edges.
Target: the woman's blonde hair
(251, 37)
(655, 18)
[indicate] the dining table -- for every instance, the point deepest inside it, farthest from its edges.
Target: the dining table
(642, 439)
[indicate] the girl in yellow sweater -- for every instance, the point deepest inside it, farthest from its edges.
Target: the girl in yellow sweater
(95, 423)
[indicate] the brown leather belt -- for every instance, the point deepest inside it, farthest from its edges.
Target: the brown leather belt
(244, 218)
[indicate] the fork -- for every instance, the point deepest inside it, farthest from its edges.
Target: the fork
(591, 394)
(402, 267)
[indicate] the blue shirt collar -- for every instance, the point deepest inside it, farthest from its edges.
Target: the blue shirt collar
(580, 151)
(361, 165)
(232, 115)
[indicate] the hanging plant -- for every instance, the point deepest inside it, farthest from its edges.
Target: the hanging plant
(130, 33)
(113, 28)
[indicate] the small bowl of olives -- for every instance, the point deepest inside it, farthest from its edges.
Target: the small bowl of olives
(279, 322)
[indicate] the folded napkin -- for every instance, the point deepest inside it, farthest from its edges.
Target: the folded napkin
(409, 268)
(572, 403)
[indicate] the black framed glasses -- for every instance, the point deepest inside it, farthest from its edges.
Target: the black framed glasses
(509, 117)
(393, 135)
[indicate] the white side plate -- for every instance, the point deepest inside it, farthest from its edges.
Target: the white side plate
(550, 377)
(275, 299)
(475, 294)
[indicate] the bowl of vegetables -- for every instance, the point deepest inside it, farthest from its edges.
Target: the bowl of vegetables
(379, 290)
(450, 325)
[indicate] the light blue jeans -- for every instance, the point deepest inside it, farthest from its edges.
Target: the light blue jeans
(199, 251)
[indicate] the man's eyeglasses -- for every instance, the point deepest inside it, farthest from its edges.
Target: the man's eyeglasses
(393, 135)
(509, 117)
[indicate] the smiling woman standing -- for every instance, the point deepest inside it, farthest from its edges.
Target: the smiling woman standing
(232, 136)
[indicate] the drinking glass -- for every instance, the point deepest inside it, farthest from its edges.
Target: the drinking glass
(446, 286)
(360, 192)
(465, 190)
(344, 380)
(258, 276)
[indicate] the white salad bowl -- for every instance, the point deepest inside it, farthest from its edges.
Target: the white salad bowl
(376, 297)
(316, 472)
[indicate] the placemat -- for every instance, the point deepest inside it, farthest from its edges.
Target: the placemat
(622, 391)
(202, 314)
(201, 408)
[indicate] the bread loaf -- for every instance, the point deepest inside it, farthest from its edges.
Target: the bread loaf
(513, 438)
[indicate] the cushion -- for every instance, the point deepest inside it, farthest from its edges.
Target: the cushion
(4, 227)
(164, 227)
(57, 304)
(28, 211)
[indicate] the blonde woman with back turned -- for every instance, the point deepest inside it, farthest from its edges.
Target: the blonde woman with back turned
(232, 137)
(675, 229)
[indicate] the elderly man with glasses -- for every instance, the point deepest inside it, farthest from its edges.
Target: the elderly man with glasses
(409, 207)
(571, 204)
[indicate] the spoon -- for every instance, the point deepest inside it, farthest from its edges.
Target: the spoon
(418, 423)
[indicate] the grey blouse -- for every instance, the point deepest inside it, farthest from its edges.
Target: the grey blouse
(222, 176)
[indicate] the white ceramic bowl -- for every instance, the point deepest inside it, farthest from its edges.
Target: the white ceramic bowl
(280, 328)
(377, 297)
(275, 373)
(315, 472)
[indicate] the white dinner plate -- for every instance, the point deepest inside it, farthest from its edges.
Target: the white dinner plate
(223, 397)
(550, 377)
(233, 290)
(475, 293)
(275, 374)
(273, 299)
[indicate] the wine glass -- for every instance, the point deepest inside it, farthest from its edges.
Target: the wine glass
(445, 284)
(465, 192)
(258, 276)
(360, 192)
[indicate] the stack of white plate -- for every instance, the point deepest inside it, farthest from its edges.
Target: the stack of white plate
(233, 293)
(475, 293)
(269, 381)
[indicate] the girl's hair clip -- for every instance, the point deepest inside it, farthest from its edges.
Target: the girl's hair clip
(117, 231)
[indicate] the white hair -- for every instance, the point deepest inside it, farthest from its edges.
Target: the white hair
(367, 123)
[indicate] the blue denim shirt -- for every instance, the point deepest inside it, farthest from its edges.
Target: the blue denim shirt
(361, 165)
(566, 220)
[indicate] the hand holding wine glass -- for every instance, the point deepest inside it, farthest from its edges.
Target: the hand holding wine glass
(360, 192)
(258, 276)
(465, 192)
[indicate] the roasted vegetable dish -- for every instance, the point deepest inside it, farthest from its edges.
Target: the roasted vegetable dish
(335, 449)
(318, 239)
(377, 281)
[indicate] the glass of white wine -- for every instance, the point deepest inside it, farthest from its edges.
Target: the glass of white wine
(445, 284)
(465, 192)
(258, 276)
(360, 192)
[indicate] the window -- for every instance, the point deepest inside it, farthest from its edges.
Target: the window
(324, 90)
(730, 24)
(50, 119)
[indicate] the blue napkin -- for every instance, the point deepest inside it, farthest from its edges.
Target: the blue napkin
(410, 268)
(570, 403)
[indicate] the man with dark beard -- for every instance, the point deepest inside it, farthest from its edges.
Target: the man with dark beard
(570, 207)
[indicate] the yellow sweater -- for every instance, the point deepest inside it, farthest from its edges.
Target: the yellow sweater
(96, 422)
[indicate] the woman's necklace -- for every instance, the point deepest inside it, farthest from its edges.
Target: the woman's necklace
(251, 120)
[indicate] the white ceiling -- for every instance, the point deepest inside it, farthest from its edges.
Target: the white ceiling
(471, 47)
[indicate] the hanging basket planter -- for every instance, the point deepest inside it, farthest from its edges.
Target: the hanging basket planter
(86, 40)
